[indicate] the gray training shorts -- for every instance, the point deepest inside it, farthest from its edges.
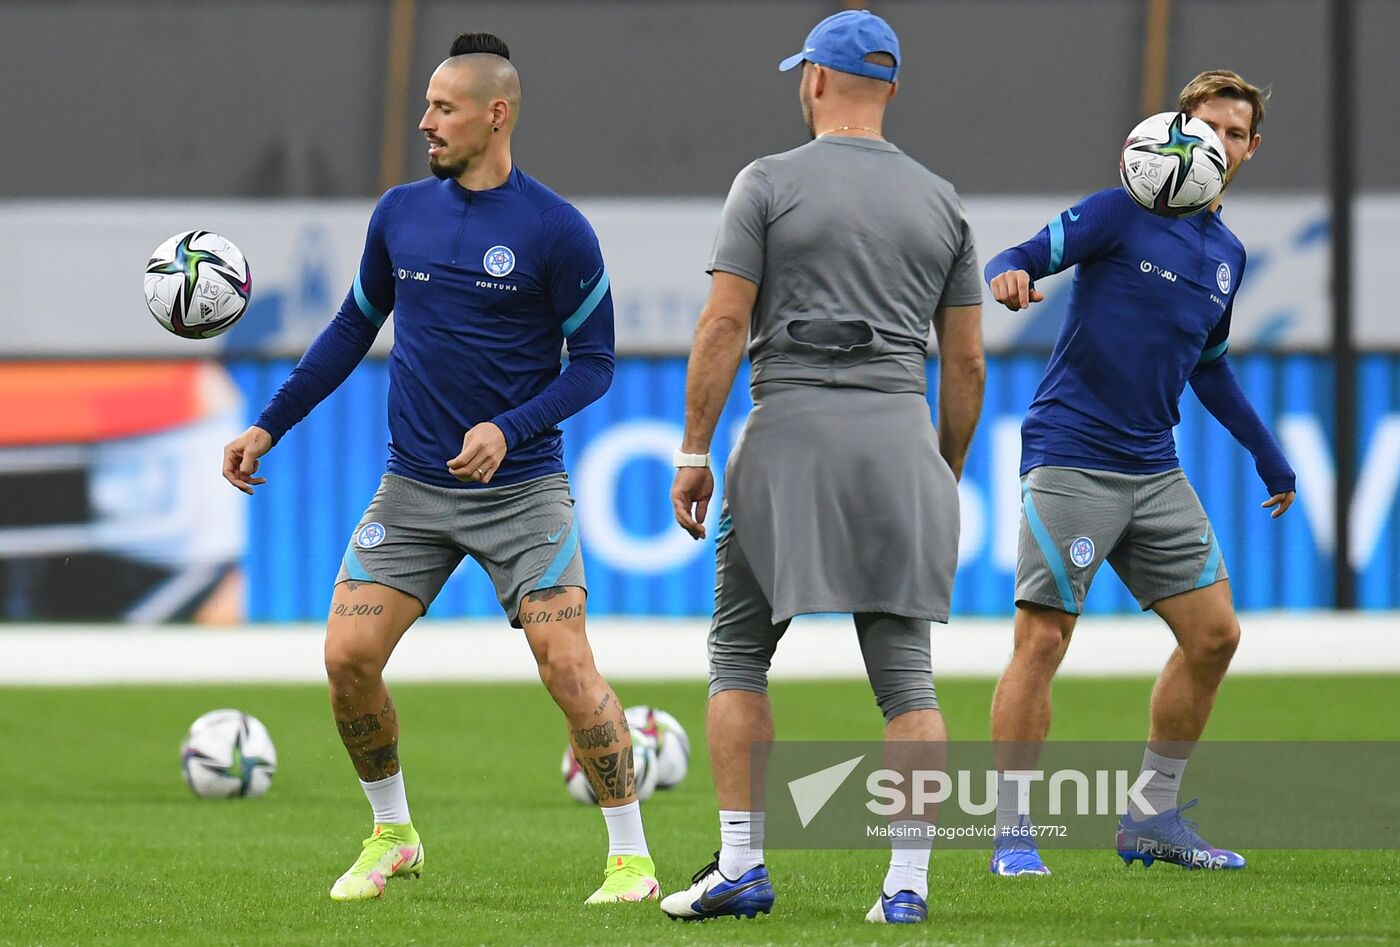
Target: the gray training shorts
(1150, 527)
(743, 638)
(414, 534)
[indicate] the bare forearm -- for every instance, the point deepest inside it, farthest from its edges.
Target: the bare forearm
(960, 388)
(714, 360)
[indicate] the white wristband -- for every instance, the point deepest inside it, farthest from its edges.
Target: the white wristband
(681, 459)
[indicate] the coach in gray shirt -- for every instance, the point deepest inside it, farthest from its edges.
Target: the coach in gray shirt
(833, 259)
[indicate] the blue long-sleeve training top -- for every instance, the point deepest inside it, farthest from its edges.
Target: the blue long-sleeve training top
(1149, 311)
(486, 287)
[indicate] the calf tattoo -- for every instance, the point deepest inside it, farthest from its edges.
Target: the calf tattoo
(373, 749)
(601, 735)
(611, 774)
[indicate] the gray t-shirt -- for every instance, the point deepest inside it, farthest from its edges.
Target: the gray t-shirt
(853, 245)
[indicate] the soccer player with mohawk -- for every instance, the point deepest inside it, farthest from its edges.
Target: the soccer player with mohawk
(489, 275)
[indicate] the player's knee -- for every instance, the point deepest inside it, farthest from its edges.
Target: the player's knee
(349, 669)
(739, 669)
(1215, 642)
(1041, 636)
(568, 674)
(901, 696)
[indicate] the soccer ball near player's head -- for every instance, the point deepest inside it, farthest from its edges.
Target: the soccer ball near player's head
(1232, 107)
(197, 284)
(1172, 164)
(473, 102)
(850, 61)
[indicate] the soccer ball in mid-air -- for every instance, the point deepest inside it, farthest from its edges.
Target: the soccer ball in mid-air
(1173, 164)
(643, 770)
(228, 753)
(197, 284)
(668, 737)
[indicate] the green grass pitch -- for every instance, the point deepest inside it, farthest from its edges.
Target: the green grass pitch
(102, 842)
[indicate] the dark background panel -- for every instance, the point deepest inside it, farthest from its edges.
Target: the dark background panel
(670, 97)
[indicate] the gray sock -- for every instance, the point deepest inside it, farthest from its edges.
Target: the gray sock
(1162, 788)
(1009, 814)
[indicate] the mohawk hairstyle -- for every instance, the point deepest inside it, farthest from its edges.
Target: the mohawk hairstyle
(466, 43)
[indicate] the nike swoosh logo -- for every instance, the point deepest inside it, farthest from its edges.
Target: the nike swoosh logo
(1204, 537)
(708, 903)
(556, 536)
(1072, 214)
(585, 283)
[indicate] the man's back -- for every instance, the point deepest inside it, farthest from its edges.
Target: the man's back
(846, 229)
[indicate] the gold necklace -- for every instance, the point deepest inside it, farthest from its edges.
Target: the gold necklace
(852, 128)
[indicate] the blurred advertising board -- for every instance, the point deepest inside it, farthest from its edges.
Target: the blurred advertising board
(303, 257)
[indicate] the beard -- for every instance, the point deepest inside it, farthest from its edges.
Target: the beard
(442, 170)
(807, 120)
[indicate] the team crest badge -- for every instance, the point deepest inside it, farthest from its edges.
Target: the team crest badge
(1222, 278)
(369, 535)
(1081, 551)
(499, 260)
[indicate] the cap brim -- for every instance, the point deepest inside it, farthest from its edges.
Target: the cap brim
(792, 61)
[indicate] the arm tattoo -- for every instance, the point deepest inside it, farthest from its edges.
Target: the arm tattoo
(610, 775)
(602, 704)
(605, 734)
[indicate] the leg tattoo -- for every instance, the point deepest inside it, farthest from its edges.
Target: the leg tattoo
(373, 742)
(611, 774)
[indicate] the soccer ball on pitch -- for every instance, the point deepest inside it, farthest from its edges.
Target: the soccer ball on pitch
(643, 769)
(197, 284)
(669, 738)
(1173, 164)
(228, 753)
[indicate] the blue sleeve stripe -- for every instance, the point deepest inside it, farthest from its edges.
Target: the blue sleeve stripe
(1212, 564)
(561, 560)
(367, 307)
(1057, 245)
(1212, 353)
(1048, 550)
(585, 308)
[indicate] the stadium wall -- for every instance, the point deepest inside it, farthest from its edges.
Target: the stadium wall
(666, 97)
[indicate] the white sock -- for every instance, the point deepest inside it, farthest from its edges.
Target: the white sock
(388, 800)
(1162, 788)
(740, 842)
(909, 852)
(625, 835)
(1009, 814)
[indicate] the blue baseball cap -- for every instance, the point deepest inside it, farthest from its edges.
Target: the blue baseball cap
(843, 40)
